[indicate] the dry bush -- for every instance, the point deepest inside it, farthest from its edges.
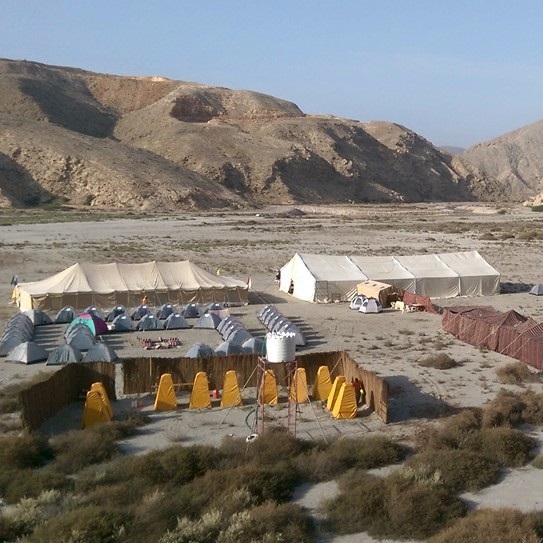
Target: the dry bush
(496, 525)
(506, 446)
(327, 462)
(487, 236)
(452, 433)
(516, 373)
(457, 470)
(86, 524)
(505, 410)
(533, 410)
(440, 361)
(394, 507)
(537, 462)
(25, 451)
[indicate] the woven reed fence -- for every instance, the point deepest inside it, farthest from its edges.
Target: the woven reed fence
(43, 400)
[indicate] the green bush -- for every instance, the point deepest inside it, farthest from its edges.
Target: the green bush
(496, 525)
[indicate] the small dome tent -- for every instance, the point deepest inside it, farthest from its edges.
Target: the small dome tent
(115, 312)
(38, 317)
(93, 310)
(191, 311)
(64, 354)
(140, 312)
(121, 323)
(164, 311)
(149, 322)
(100, 352)
(238, 336)
(254, 345)
(371, 305)
(200, 350)
(356, 302)
(176, 321)
(27, 353)
(208, 320)
(537, 290)
(81, 340)
(227, 348)
(66, 315)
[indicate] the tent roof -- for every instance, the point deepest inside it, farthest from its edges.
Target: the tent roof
(332, 267)
(118, 277)
(383, 267)
(468, 263)
(426, 266)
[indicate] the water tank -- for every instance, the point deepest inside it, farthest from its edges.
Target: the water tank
(280, 347)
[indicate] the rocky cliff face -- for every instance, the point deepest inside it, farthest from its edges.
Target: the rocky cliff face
(72, 136)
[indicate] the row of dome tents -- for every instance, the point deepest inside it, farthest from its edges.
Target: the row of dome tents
(108, 285)
(330, 278)
(365, 305)
(276, 323)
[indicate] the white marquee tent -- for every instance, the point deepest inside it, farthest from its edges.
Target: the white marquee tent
(323, 278)
(108, 285)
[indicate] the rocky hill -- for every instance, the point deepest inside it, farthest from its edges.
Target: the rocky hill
(514, 160)
(67, 135)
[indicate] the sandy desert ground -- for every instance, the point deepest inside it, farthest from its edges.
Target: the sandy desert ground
(253, 245)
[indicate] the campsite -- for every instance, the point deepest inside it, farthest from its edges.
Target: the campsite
(461, 255)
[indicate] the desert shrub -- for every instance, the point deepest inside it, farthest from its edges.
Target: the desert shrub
(506, 236)
(17, 484)
(360, 505)
(395, 507)
(537, 208)
(516, 373)
(440, 361)
(324, 463)
(25, 451)
(533, 408)
(498, 526)
(452, 433)
(506, 446)
(487, 236)
(172, 466)
(457, 470)
(271, 522)
(505, 410)
(87, 524)
(10, 530)
(80, 448)
(537, 462)
(528, 235)
(419, 510)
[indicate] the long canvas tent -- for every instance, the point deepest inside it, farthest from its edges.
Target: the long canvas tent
(324, 278)
(107, 285)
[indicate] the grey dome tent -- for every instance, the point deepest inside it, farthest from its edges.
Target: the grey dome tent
(291, 328)
(28, 352)
(176, 321)
(121, 323)
(64, 354)
(230, 328)
(264, 311)
(215, 306)
(200, 350)
(8, 343)
(371, 305)
(93, 310)
(537, 290)
(38, 317)
(100, 352)
(227, 348)
(65, 315)
(254, 345)
(238, 336)
(278, 324)
(208, 320)
(81, 340)
(149, 322)
(140, 312)
(115, 312)
(191, 311)
(164, 311)
(356, 302)
(227, 321)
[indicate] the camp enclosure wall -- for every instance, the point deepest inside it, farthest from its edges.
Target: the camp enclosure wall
(108, 285)
(319, 278)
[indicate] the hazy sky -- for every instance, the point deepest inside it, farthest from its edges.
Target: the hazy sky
(456, 72)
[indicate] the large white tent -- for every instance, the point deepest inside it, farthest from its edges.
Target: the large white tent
(323, 278)
(108, 285)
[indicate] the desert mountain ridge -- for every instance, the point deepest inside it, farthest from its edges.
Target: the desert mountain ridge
(77, 137)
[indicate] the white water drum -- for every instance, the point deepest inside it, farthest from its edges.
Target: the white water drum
(280, 347)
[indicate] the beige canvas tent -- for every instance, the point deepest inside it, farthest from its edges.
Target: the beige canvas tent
(108, 285)
(325, 278)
